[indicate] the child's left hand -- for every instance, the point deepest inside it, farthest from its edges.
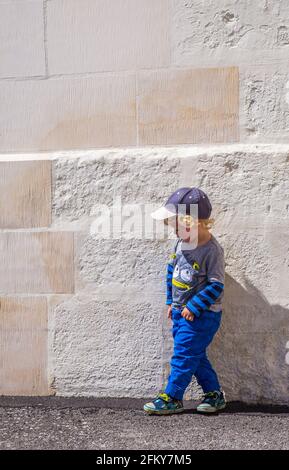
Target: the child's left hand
(187, 314)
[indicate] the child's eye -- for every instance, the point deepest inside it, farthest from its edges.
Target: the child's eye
(196, 266)
(186, 275)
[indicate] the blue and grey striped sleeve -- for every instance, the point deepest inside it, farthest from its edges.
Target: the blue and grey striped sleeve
(170, 269)
(169, 276)
(206, 297)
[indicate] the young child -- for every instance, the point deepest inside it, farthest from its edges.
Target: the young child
(195, 284)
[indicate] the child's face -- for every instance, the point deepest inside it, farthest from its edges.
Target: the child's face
(185, 227)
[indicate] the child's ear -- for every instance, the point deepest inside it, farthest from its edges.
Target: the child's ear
(207, 223)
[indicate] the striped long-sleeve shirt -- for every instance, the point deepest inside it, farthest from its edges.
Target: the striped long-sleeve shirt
(195, 277)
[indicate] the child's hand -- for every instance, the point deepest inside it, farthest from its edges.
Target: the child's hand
(170, 311)
(187, 314)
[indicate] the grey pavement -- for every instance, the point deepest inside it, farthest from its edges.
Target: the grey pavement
(119, 423)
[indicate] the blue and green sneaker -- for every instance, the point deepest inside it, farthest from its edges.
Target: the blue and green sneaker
(163, 404)
(212, 402)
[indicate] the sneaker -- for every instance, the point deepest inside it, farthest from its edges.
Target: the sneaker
(163, 404)
(212, 402)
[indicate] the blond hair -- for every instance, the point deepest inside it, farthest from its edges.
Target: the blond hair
(207, 223)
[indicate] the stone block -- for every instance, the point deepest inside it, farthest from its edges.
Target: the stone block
(89, 36)
(25, 194)
(23, 346)
(189, 106)
(39, 262)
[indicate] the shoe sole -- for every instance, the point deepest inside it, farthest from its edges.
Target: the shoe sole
(164, 412)
(212, 410)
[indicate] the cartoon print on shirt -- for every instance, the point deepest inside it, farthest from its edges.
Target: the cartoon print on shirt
(186, 275)
(184, 272)
(189, 274)
(176, 271)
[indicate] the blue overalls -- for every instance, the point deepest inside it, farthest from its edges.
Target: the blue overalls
(191, 339)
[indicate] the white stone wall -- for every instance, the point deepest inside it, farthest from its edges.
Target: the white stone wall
(102, 301)
(112, 337)
(133, 98)
(79, 74)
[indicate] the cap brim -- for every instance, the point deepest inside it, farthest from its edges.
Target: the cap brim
(162, 213)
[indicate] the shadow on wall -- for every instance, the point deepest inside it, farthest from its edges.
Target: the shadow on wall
(249, 350)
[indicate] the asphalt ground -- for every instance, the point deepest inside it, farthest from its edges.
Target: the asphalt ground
(57, 423)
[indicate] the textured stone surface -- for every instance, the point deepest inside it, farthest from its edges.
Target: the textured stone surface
(264, 104)
(107, 348)
(36, 262)
(25, 194)
(23, 346)
(189, 106)
(229, 31)
(80, 184)
(247, 185)
(123, 261)
(118, 35)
